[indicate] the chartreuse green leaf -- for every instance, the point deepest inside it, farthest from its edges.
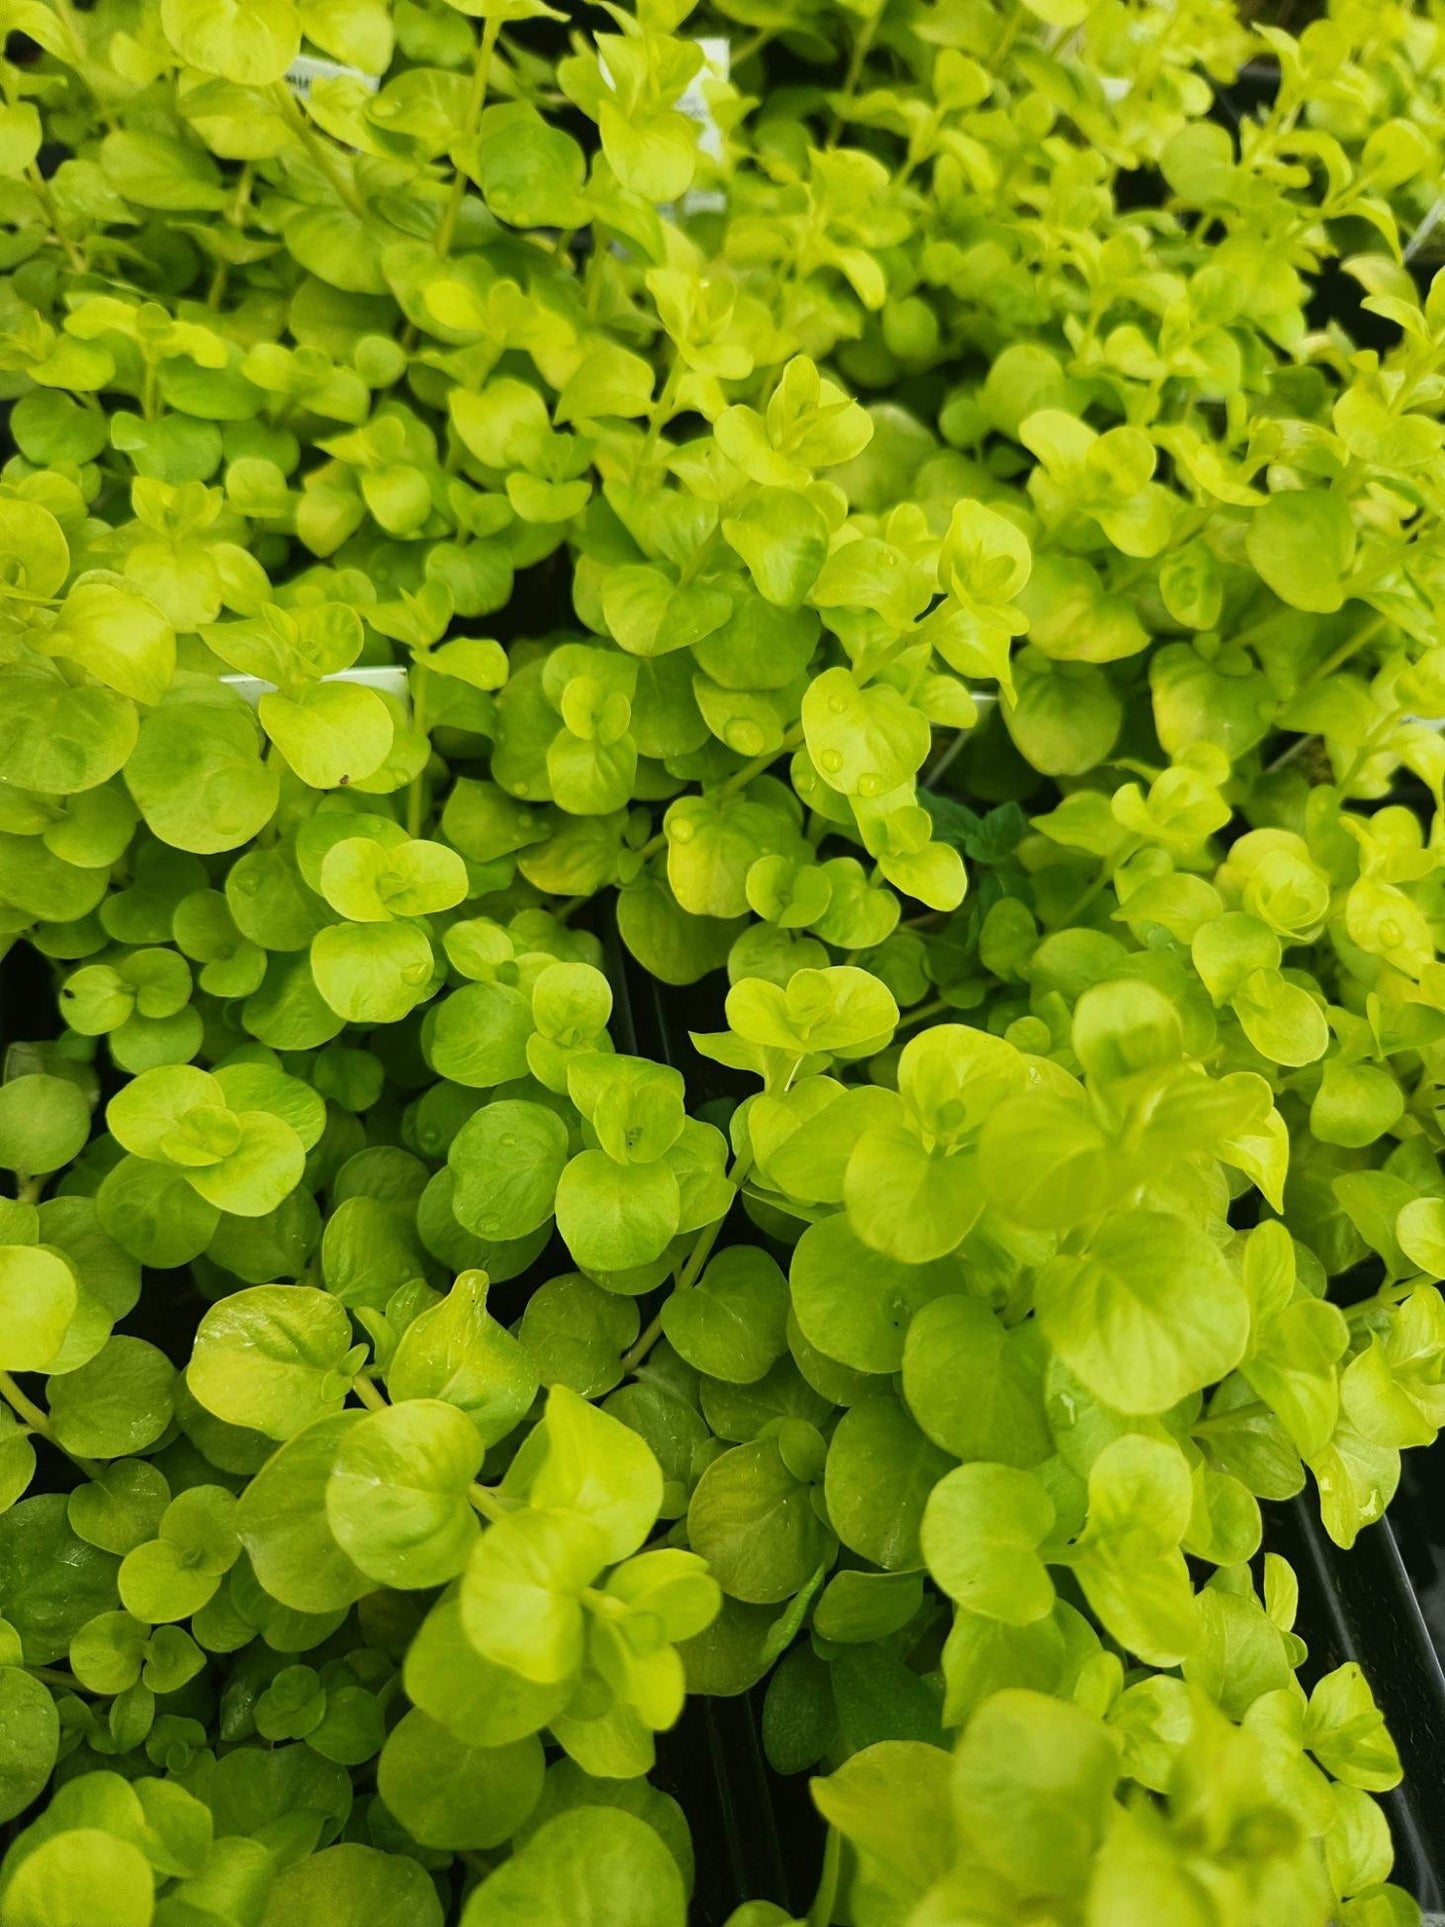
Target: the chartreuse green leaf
(507, 1159)
(29, 1739)
(38, 1299)
(356, 1885)
(1346, 1732)
(582, 1460)
(479, 1702)
(174, 1574)
(521, 1593)
(242, 1161)
(836, 1010)
(120, 637)
(480, 1035)
(981, 1531)
(331, 733)
(1148, 1313)
(447, 1794)
(252, 44)
(614, 1216)
(600, 1868)
(372, 972)
(272, 1358)
(458, 1352)
(120, 1401)
(236, 793)
(855, 1305)
(975, 1387)
(880, 1475)
(370, 883)
(121, 1506)
(891, 1803)
(733, 1323)
(283, 1524)
(1033, 1784)
(397, 1499)
(44, 1123)
(1129, 1562)
(1302, 543)
(753, 1518)
(80, 1875)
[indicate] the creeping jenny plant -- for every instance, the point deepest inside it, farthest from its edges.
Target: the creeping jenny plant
(890, 524)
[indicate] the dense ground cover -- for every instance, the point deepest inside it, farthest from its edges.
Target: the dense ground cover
(924, 520)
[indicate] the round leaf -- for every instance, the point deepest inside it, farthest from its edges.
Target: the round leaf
(29, 1739)
(37, 1301)
(592, 1867)
(44, 1122)
(80, 1877)
(268, 1358)
(1150, 1312)
(353, 1886)
(397, 1496)
(452, 1796)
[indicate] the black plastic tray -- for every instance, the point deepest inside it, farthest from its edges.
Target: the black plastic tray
(1364, 1605)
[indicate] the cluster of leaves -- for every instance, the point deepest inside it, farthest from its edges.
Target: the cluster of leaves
(944, 570)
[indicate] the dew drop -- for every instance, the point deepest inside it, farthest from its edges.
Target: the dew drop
(870, 784)
(681, 831)
(745, 737)
(831, 759)
(837, 704)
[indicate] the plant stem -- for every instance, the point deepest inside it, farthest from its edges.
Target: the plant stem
(57, 1676)
(1221, 1421)
(41, 189)
(762, 38)
(319, 150)
(1102, 878)
(820, 1913)
(939, 768)
(481, 72)
(487, 1502)
(1350, 647)
(1371, 746)
(370, 1394)
(68, 21)
(920, 1015)
(1006, 39)
(236, 218)
(660, 412)
(39, 1422)
(708, 1236)
(652, 1331)
(693, 1264)
(855, 71)
(740, 778)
